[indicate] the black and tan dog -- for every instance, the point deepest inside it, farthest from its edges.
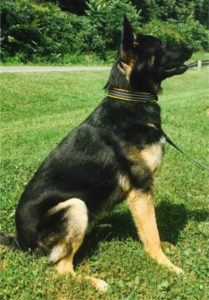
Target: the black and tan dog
(113, 155)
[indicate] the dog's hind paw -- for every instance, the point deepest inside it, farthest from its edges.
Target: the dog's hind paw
(102, 286)
(99, 284)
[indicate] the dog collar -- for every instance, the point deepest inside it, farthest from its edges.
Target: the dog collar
(127, 95)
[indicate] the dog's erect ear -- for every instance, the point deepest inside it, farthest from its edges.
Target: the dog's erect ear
(128, 35)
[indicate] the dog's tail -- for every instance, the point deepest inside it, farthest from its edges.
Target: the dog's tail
(8, 240)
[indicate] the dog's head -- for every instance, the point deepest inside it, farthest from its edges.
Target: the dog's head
(144, 61)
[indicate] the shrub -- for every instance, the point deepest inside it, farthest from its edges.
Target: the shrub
(173, 9)
(102, 26)
(31, 30)
(38, 31)
(173, 32)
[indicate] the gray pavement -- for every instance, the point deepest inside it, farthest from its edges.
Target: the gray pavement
(50, 69)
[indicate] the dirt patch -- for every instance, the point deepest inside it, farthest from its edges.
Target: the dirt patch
(207, 112)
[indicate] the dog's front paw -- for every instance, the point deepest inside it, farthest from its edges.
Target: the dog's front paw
(177, 270)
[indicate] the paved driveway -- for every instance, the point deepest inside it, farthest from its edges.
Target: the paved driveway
(50, 69)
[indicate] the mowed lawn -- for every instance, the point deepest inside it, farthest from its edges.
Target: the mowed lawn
(37, 111)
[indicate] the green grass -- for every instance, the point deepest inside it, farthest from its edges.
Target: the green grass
(75, 59)
(84, 60)
(199, 56)
(37, 110)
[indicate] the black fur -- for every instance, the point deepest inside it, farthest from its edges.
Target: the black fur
(86, 164)
(8, 240)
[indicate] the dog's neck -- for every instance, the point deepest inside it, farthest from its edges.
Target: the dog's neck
(143, 83)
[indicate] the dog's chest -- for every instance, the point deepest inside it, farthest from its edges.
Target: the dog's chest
(142, 164)
(152, 156)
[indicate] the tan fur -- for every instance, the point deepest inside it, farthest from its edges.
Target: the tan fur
(151, 125)
(152, 61)
(62, 254)
(142, 209)
(129, 59)
(65, 204)
(124, 183)
(127, 68)
(75, 226)
(65, 266)
(151, 155)
(99, 284)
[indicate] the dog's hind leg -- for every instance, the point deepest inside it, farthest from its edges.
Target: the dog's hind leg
(74, 226)
(142, 208)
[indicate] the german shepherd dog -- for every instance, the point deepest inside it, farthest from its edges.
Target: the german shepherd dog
(113, 155)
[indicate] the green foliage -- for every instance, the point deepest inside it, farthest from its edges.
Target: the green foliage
(173, 9)
(38, 31)
(31, 30)
(172, 32)
(103, 24)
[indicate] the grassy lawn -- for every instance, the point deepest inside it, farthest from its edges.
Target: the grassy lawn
(37, 110)
(86, 60)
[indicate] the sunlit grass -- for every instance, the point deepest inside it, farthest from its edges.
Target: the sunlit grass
(37, 110)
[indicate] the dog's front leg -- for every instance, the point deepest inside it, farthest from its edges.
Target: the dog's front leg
(142, 209)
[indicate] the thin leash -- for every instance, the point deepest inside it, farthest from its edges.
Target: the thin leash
(143, 97)
(184, 153)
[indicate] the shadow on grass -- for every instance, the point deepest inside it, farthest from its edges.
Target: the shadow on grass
(171, 219)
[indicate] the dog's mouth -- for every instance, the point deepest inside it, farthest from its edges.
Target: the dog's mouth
(175, 70)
